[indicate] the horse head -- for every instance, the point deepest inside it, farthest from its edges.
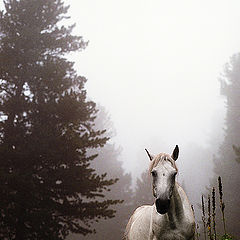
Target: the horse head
(163, 170)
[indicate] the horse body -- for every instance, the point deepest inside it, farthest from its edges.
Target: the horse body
(171, 217)
(178, 223)
(139, 223)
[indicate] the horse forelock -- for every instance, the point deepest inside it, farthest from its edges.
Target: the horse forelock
(160, 158)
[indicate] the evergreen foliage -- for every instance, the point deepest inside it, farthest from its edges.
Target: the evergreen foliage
(108, 161)
(226, 162)
(47, 186)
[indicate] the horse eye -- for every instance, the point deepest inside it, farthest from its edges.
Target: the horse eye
(154, 173)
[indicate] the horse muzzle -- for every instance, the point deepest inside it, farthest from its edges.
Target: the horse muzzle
(162, 206)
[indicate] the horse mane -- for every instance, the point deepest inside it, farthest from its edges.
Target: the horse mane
(160, 158)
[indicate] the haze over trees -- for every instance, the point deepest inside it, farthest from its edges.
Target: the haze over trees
(143, 191)
(107, 162)
(47, 186)
(226, 161)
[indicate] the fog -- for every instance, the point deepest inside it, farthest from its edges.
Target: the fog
(154, 65)
(154, 68)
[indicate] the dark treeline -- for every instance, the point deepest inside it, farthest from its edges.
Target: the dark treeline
(48, 188)
(60, 175)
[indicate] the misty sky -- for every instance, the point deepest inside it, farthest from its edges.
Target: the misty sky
(155, 66)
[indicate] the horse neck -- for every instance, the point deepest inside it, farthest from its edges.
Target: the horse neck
(176, 211)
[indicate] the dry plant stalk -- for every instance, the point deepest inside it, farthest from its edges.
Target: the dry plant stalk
(204, 218)
(197, 230)
(214, 213)
(222, 205)
(209, 222)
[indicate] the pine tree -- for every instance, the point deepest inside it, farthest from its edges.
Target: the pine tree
(225, 164)
(47, 186)
(108, 162)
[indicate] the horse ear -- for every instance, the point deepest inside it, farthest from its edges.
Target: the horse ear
(149, 155)
(175, 153)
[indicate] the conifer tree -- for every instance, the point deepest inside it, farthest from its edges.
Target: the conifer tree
(108, 161)
(47, 186)
(226, 162)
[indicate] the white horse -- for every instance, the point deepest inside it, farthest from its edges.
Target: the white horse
(171, 216)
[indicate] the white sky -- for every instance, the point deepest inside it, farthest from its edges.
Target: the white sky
(155, 66)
